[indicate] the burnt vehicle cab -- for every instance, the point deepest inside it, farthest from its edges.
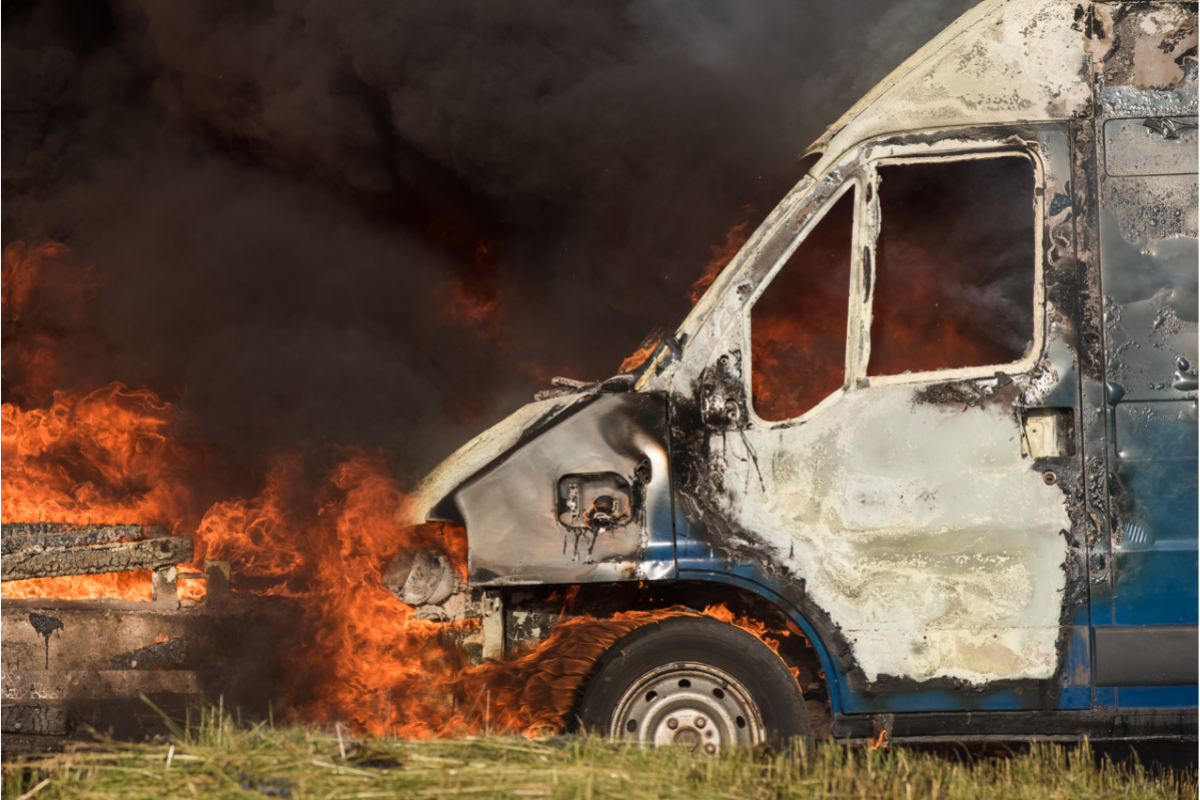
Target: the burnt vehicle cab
(938, 416)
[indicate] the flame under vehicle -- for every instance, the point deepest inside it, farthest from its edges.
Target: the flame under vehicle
(937, 420)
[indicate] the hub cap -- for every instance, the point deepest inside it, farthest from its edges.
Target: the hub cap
(697, 707)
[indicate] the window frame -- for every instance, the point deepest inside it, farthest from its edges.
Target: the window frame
(852, 182)
(897, 156)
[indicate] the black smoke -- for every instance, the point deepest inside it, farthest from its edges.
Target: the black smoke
(281, 199)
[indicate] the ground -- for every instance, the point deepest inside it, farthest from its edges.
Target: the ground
(213, 756)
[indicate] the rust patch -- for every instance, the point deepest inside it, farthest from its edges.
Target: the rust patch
(1145, 45)
(985, 393)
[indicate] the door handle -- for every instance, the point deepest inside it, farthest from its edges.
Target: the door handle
(1048, 432)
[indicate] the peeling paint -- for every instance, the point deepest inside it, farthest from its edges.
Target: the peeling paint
(922, 534)
(1146, 47)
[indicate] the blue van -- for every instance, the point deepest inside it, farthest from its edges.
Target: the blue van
(937, 419)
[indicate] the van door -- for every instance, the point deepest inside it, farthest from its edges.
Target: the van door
(920, 488)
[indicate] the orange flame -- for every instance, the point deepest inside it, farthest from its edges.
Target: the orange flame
(471, 299)
(534, 692)
(42, 293)
(133, 586)
(798, 324)
(97, 457)
(722, 254)
(637, 359)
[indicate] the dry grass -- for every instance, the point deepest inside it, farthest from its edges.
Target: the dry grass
(211, 756)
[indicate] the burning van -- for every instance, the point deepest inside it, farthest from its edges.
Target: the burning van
(935, 424)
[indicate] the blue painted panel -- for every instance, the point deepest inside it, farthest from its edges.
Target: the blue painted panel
(1101, 597)
(1075, 683)
(1157, 697)
(942, 700)
(1148, 250)
(1156, 587)
(1159, 429)
(1156, 563)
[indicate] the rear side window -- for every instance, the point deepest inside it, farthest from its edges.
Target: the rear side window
(798, 324)
(954, 265)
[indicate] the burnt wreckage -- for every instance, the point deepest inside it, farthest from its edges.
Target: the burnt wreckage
(73, 664)
(938, 415)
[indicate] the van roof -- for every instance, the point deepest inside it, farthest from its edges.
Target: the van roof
(1004, 61)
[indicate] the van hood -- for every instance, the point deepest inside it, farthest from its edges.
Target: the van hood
(429, 502)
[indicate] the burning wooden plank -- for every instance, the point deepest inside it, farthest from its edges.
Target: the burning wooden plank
(17, 536)
(96, 559)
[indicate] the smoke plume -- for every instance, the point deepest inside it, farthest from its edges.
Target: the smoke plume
(386, 224)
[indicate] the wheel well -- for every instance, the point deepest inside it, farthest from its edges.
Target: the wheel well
(531, 612)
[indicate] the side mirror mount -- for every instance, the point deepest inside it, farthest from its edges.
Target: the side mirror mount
(723, 394)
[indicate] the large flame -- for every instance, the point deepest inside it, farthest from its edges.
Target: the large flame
(85, 456)
(798, 324)
(318, 533)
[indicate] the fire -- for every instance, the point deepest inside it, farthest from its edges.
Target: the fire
(113, 586)
(798, 324)
(94, 457)
(471, 299)
(637, 359)
(953, 281)
(318, 533)
(472, 302)
(43, 296)
(99, 456)
(325, 540)
(472, 305)
(534, 692)
(722, 254)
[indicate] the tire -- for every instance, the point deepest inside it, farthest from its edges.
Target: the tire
(696, 683)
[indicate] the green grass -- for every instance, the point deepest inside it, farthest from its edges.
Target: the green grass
(211, 756)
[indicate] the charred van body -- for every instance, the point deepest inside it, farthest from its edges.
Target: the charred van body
(939, 414)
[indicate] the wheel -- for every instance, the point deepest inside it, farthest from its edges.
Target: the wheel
(695, 683)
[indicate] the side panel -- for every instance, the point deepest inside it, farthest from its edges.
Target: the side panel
(587, 500)
(1147, 157)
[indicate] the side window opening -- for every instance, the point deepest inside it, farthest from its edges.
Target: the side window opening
(798, 324)
(954, 265)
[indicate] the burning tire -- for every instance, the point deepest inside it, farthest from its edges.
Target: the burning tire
(696, 683)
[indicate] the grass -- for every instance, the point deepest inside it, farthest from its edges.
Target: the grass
(212, 756)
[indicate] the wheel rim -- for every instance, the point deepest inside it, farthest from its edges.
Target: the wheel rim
(696, 707)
